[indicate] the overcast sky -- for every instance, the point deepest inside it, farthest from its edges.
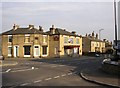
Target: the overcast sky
(82, 17)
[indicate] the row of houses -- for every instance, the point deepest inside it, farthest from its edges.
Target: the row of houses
(57, 42)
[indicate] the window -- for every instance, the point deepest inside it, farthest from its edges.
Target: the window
(44, 38)
(65, 40)
(9, 38)
(71, 40)
(36, 38)
(9, 50)
(97, 44)
(77, 41)
(27, 38)
(44, 50)
(27, 50)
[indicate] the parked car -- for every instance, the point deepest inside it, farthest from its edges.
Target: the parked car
(1, 57)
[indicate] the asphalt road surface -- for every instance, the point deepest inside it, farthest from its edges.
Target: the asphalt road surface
(52, 72)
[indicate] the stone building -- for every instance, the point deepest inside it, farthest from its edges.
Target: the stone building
(25, 42)
(63, 43)
(91, 43)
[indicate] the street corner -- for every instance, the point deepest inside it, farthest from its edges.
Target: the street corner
(99, 78)
(8, 63)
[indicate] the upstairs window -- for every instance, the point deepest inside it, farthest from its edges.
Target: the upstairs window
(77, 41)
(27, 38)
(65, 40)
(36, 38)
(44, 38)
(71, 40)
(10, 38)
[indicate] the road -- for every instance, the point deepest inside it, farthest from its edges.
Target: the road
(52, 72)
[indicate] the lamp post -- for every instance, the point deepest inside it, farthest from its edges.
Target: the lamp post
(115, 20)
(100, 33)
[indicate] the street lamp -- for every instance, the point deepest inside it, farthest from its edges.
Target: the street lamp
(100, 33)
(115, 19)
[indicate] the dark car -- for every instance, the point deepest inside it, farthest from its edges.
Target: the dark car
(1, 57)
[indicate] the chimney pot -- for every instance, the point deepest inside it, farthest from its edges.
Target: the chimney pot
(15, 27)
(53, 26)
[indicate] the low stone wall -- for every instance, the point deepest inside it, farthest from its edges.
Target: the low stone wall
(111, 68)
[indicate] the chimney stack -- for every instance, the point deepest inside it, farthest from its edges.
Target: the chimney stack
(15, 27)
(96, 36)
(73, 32)
(40, 28)
(104, 40)
(52, 30)
(31, 26)
(93, 34)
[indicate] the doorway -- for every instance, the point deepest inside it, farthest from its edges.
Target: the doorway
(16, 51)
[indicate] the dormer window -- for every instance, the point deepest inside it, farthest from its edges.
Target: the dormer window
(9, 38)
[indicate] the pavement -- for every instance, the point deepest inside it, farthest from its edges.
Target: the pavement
(8, 63)
(100, 77)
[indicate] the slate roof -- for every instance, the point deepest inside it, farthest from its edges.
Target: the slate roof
(59, 31)
(23, 31)
(93, 39)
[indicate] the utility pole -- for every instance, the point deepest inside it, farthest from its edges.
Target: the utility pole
(115, 19)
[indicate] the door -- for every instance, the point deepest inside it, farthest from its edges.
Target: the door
(36, 51)
(16, 51)
(27, 51)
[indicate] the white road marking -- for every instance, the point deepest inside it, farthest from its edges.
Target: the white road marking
(8, 70)
(48, 79)
(56, 77)
(63, 75)
(69, 73)
(37, 81)
(24, 84)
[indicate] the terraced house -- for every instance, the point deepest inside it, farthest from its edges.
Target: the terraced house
(91, 43)
(25, 42)
(63, 43)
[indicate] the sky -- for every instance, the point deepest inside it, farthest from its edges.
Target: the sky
(82, 17)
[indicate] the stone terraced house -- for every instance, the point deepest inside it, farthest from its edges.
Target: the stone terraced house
(25, 42)
(63, 43)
